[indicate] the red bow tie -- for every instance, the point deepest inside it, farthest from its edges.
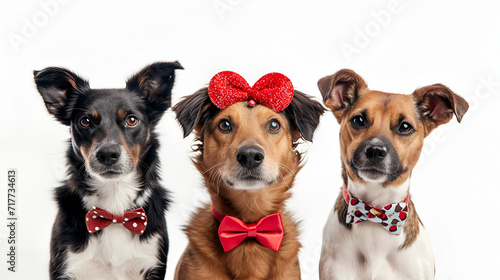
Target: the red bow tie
(232, 231)
(273, 90)
(133, 220)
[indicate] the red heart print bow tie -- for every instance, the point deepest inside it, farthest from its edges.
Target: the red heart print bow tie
(392, 217)
(232, 231)
(133, 220)
(273, 90)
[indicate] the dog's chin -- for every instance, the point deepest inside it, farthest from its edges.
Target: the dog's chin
(106, 175)
(371, 175)
(248, 184)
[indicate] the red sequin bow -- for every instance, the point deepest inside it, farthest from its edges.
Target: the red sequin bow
(273, 90)
(391, 217)
(232, 231)
(133, 220)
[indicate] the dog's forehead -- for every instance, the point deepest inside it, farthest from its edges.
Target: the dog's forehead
(112, 100)
(387, 103)
(241, 112)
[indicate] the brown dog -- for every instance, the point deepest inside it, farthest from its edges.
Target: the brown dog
(374, 231)
(247, 156)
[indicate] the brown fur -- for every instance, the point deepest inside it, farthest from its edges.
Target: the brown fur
(87, 150)
(135, 152)
(72, 81)
(204, 257)
(347, 95)
(121, 113)
(411, 226)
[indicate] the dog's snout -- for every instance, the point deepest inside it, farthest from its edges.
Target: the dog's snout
(376, 152)
(108, 155)
(250, 156)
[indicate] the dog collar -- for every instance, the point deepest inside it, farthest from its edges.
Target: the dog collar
(392, 217)
(273, 90)
(232, 231)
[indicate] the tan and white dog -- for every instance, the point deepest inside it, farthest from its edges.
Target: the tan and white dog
(373, 231)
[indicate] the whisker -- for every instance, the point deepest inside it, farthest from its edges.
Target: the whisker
(212, 167)
(257, 205)
(246, 204)
(286, 167)
(141, 163)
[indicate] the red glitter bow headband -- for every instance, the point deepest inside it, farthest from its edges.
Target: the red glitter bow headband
(273, 90)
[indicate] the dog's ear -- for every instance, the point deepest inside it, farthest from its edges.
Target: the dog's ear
(341, 90)
(436, 105)
(59, 88)
(194, 110)
(304, 114)
(155, 83)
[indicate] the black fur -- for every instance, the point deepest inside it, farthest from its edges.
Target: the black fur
(69, 98)
(303, 113)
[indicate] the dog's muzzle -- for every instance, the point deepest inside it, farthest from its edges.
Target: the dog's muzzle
(250, 171)
(376, 159)
(109, 160)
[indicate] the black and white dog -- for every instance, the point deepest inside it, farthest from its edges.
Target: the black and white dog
(113, 169)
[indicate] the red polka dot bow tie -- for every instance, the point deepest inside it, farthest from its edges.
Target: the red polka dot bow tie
(273, 90)
(392, 217)
(133, 220)
(232, 231)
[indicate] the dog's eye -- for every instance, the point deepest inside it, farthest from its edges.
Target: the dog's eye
(85, 121)
(132, 121)
(405, 128)
(358, 121)
(224, 125)
(274, 126)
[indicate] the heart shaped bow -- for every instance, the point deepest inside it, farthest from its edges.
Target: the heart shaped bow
(273, 90)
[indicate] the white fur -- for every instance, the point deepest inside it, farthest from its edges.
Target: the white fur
(116, 253)
(377, 195)
(368, 251)
(115, 195)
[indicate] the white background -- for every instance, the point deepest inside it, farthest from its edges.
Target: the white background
(395, 46)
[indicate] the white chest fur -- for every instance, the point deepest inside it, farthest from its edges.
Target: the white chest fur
(114, 195)
(368, 251)
(116, 253)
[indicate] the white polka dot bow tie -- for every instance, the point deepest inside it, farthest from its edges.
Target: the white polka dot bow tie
(133, 220)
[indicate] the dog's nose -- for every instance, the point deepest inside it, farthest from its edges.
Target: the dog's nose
(250, 156)
(375, 152)
(108, 155)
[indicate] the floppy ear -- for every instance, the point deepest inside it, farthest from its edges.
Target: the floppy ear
(59, 88)
(436, 105)
(341, 90)
(155, 83)
(192, 109)
(304, 114)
